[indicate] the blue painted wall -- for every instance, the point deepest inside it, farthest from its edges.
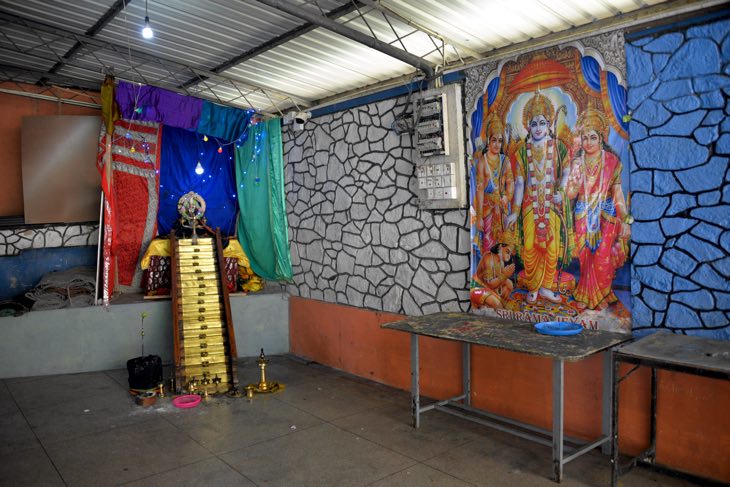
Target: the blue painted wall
(678, 92)
(20, 273)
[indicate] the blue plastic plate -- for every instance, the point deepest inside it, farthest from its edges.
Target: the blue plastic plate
(558, 328)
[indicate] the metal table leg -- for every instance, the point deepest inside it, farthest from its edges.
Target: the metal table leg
(558, 390)
(614, 423)
(607, 401)
(415, 393)
(466, 373)
(652, 427)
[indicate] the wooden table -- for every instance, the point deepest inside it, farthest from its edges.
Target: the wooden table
(515, 336)
(680, 353)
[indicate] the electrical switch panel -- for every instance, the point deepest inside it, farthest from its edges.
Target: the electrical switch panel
(439, 148)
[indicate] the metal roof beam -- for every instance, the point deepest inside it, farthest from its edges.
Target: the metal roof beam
(276, 41)
(352, 34)
(281, 39)
(387, 11)
(95, 29)
(89, 41)
(52, 77)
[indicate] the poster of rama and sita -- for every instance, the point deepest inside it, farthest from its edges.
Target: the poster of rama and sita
(550, 224)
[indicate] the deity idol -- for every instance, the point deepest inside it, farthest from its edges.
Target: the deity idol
(541, 178)
(494, 188)
(601, 217)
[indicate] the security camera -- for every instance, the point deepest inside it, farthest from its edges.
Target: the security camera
(297, 119)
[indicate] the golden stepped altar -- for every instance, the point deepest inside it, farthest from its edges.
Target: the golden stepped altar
(204, 338)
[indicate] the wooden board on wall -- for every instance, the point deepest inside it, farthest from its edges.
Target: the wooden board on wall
(60, 181)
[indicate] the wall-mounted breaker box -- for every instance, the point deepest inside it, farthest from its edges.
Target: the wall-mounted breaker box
(438, 142)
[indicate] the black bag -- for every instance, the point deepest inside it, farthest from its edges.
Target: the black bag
(145, 372)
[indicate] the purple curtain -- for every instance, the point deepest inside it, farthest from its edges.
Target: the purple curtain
(150, 104)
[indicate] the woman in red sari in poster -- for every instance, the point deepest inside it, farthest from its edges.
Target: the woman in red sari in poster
(601, 232)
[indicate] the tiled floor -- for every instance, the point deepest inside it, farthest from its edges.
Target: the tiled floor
(325, 429)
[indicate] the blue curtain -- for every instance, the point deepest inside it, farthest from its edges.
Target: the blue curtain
(617, 97)
(492, 90)
(478, 115)
(614, 91)
(181, 151)
(226, 123)
(476, 122)
(591, 72)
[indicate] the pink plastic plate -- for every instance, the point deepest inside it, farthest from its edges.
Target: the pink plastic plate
(186, 401)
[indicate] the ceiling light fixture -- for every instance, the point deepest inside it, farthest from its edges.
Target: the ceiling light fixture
(147, 30)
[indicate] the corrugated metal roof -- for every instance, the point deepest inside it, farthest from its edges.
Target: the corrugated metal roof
(193, 39)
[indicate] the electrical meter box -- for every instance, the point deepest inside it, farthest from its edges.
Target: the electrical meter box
(439, 148)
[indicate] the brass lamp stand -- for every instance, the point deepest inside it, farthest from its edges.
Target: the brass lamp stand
(263, 386)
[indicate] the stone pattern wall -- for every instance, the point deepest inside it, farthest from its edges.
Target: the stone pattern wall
(680, 138)
(14, 240)
(357, 235)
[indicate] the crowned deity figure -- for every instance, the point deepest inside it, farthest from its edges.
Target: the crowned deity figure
(494, 188)
(601, 217)
(540, 182)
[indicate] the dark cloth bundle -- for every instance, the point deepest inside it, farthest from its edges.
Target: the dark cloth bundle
(144, 372)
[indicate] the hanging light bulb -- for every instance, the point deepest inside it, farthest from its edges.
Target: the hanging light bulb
(199, 169)
(205, 138)
(147, 30)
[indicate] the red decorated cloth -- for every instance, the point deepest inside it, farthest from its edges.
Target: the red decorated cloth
(132, 198)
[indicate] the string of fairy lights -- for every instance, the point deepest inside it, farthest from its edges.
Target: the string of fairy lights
(144, 144)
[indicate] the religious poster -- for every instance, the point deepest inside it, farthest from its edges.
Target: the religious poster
(549, 212)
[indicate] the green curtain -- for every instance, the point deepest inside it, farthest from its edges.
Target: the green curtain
(262, 225)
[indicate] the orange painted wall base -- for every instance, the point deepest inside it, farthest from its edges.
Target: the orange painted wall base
(693, 424)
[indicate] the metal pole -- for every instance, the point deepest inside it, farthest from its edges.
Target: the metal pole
(415, 394)
(614, 423)
(607, 400)
(652, 446)
(353, 34)
(558, 386)
(98, 250)
(466, 373)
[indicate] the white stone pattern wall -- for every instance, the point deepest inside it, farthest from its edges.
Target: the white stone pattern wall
(15, 240)
(357, 235)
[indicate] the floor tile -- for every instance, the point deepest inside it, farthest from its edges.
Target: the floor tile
(30, 468)
(56, 389)
(331, 398)
(420, 475)
(593, 469)
(7, 403)
(497, 459)
(320, 456)
(224, 424)
(284, 369)
(325, 428)
(391, 427)
(125, 454)
(84, 415)
(210, 472)
(15, 434)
